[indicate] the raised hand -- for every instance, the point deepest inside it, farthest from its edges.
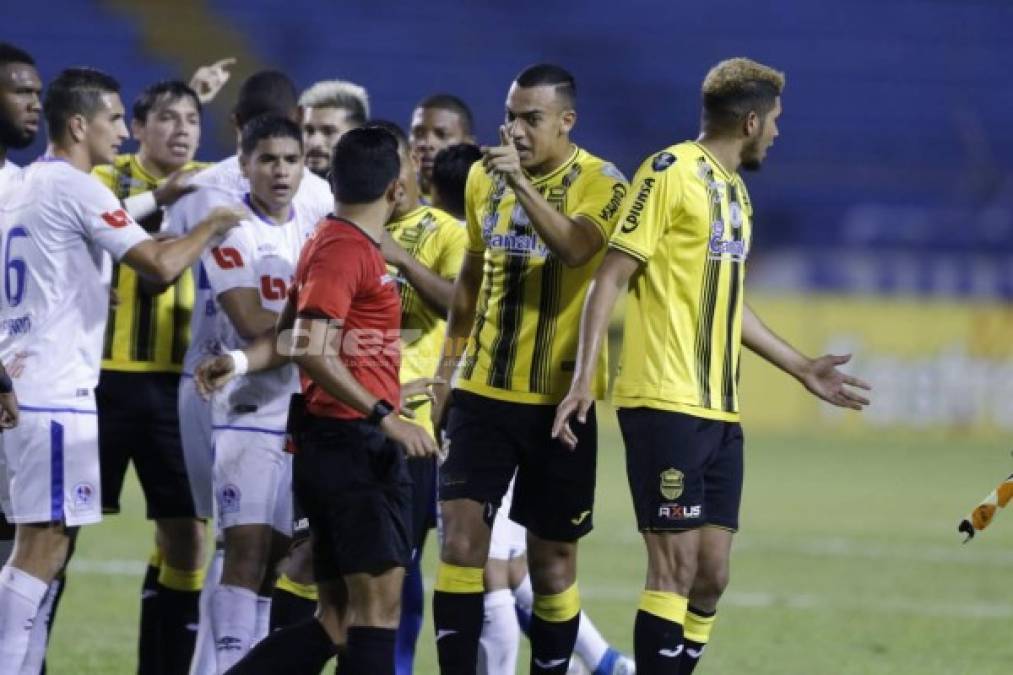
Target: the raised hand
(209, 80)
(175, 186)
(824, 380)
(503, 160)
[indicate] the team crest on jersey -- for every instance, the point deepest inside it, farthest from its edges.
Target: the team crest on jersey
(229, 497)
(84, 495)
(117, 218)
(672, 483)
(662, 161)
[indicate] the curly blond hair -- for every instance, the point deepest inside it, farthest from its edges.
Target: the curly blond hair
(735, 87)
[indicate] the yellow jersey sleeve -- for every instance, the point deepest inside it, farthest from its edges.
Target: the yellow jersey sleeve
(646, 215)
(451, 243)
(600, 198)
(478, 183)
(106, 173)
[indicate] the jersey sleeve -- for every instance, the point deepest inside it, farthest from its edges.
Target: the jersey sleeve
(192, 208)
(443, 252)
(645, 215)
(230, 264)
(472, 202)
(330, 282)
(102, 218)
(601, 197)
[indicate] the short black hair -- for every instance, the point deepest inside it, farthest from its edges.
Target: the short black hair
(547, 74)
(75, 91)
(11, 54)
(266, 91)
(453, 104)
(450, 173)
(395, 131)
(364, 164)
(169, 89)
(268, 126)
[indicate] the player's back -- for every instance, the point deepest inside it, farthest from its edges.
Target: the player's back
(53, 313)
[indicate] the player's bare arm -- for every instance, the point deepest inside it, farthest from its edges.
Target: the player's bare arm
(163, 261)
(8, 401)
(573, 240)
(247, 314)
(434, 290)
(460, 321)
(330, 373)
(820, 375)
(609, 281)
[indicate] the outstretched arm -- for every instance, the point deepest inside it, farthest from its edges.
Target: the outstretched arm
(820, 375)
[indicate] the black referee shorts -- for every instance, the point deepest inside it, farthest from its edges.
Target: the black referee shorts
(491, 439)
(353, 485)
(138, 420)
(684, 471)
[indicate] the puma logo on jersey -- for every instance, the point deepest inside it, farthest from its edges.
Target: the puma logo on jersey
(581, 518)
(671, 653)
(117, 218)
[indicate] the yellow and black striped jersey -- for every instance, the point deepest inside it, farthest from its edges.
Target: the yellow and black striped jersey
(144, 334)
(437, 240)
(690, 223)
(524, 342)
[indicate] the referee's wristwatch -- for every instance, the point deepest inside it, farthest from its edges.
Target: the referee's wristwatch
(380, 410)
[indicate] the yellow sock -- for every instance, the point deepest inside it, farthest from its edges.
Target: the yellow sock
(668, 606)
(304, 591)
(180, 580)
(698, 627)
(454, 579)
(559, 607)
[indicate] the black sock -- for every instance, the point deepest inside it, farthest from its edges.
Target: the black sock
(458, 623)
(657, 644)
(696, 634)
(301, 649)
(288, 609)
(370, 651)
(552, 644)
(179, 612)
(149, 660)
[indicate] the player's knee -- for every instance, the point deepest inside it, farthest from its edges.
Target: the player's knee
(710, 583)
(245, 563)
(41, 551)
(552, 565)
(182, 541)
(464, 547)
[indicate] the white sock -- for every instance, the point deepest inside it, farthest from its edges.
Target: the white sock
(524, 596)
(497, 654)
(203, 662)
(263, 618)
(591, 646)
(20, 597)
(6, 548)
(40, 632)
(233, 622)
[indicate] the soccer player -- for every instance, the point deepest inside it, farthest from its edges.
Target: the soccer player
(681, 248)
(53, 226)
(20, 111)
(341, 327)
(249, 273)
(329, 109)
(438, 121)
(222, 183)
(539, 211)
(146, 337)
(424, 251)
(451, 167)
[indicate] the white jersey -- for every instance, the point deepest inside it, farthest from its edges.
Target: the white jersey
(261, 255)
(8, 173)
(55, 223)
(223, 184)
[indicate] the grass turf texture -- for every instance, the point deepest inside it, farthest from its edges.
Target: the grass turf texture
(848, 563)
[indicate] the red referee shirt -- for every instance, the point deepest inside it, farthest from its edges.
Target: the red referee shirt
(341, 276)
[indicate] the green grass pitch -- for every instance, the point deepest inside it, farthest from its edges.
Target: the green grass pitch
(848, 563)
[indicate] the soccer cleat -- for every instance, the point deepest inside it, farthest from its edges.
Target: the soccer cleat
(615, 663)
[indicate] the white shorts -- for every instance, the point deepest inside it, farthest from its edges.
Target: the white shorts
(509, 540)
(198, 445)
(252, 479)
(51, 464)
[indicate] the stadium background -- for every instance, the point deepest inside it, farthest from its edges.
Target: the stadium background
(884, 227)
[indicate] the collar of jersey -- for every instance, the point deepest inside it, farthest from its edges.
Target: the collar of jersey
(714, 161)
(261, 216)
(344, 221)
(555, 172)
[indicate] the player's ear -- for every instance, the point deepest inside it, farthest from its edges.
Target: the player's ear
(394, 191)
(751, 124)
(77, 127)
(568, 119)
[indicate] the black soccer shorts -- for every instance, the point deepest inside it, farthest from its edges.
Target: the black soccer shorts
(490, 439)
(352, 483)
(138, 420)
(684, 471)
